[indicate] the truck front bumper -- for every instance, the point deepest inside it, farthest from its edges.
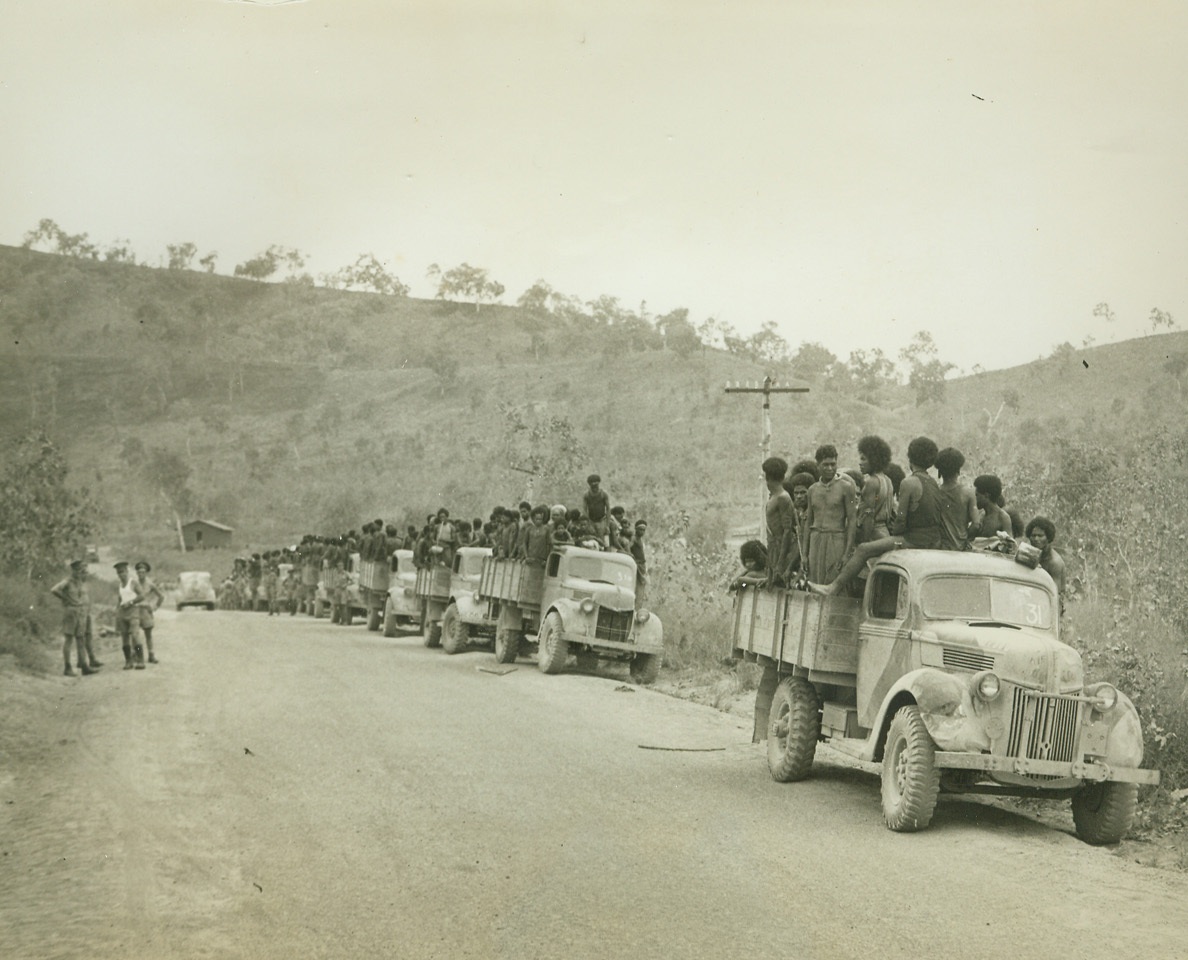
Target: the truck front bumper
(1082, 770)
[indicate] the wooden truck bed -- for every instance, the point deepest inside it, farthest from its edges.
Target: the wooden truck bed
(433, 582)
(511, 580)
(373, 575)
(798, 629)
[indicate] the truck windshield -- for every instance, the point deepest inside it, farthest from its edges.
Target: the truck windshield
(601, 570)
(986, 598)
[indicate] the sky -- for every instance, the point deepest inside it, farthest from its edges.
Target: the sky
(852, 172)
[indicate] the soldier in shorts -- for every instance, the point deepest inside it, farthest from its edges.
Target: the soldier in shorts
(127, 618)
(76, 615)
(146, 609)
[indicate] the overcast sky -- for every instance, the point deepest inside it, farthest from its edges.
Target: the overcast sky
(853, 172)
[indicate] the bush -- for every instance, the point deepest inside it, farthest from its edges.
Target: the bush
(29, 621)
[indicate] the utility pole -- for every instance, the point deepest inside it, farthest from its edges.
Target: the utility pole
(767, 388)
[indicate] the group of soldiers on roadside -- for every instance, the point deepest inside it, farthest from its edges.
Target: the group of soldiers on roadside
(824, 525)
(136, 599)
(285, 578)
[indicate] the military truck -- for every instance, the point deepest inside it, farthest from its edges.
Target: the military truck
(401, 609)
(432, 592)
(374, 582)
(329, 595)
(951, 673)
(465, 618)
(581, 601)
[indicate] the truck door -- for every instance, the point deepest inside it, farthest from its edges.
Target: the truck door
(883, 647)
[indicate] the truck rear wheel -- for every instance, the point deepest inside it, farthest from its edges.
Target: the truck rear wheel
(454, 635)
(645, 668)
(430, 631)
(319, 609)
(346, 614)
(1103, 812)
(389, 621)
(793, 727)
(911, 780)
(507, 645)
(373, 619)
(554, 649)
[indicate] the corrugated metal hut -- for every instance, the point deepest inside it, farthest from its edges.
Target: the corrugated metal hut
(203, 534)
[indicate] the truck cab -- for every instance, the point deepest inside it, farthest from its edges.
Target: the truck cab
(581, 601)
(465, 620)
(401, 608)
(949, 671)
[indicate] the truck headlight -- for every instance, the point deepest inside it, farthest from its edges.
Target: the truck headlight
(408, 591)
(986, 685)
(642, 616)
(1104, 696)
(587, 605)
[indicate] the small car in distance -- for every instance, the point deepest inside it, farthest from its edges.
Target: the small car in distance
(194, 589)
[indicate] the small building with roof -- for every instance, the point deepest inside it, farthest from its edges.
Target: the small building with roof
(205, 534)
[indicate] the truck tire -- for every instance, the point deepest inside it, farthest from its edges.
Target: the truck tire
(645, 668)
(430, 632)
(319, 609)
(346, 614)
(911, 780)
(793, 728)
(1104, 812)
(389, 621)
(507, 645)
(554, 648)
(454, 635)
(373, 619)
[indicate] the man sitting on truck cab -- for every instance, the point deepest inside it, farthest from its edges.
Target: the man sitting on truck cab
(917, 523)
(1042, 533)
(987, 490)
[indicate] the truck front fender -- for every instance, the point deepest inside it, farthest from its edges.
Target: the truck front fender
(470, 609)
(649, 635)
(1116, 735)
(946, 706)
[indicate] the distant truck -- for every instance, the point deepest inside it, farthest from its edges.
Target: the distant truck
(464, 620)
(949, 671)
(432, 592)
(374, 580)
(402, 611)
(328, 596)
(581, 601)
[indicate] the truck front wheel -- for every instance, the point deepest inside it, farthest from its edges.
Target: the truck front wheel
(389, 621)
(507, 645)
(319, 609)
(911, 780)
(1104, 812)
(430, 631)
(554, 649)
(373, 619)
(453, 631)
(645, 668)
(793, 727)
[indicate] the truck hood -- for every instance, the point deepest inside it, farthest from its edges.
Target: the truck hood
(1027, 656)
(604, 594)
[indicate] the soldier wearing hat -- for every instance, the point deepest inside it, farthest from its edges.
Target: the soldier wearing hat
(596, 504)
(76, 616)
(127, 619)
(145, 610)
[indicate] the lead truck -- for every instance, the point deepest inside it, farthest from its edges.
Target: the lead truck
(951, 673)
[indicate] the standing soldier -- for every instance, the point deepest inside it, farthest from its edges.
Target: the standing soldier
(146, 608)
(596, 503)
(271, 581)
(641, 562)
(76, 614)
(127, 619)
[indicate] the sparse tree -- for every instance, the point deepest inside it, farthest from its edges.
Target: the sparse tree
(208, 262)
(1161, 318)
(181, 255)
(870, 371)
(767, 346)
(467, 282)
(168, 473)
(367, 273)
(926, 371)
(119, 251)
(812, 362)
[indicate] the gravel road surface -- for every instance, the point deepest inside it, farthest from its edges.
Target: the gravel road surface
(282, 787)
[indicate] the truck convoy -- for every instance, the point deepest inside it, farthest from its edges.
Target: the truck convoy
(581, 601)
(401, 609)
(951, 673)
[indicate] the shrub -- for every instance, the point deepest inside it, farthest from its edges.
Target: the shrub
(29, 620)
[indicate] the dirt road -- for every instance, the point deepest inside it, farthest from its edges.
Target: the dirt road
(287, 788)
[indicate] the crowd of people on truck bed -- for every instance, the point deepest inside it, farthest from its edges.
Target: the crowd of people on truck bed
(524, 532)
(825, 524)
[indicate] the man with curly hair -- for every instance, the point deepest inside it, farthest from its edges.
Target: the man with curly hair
(1042, 533)
(830, 520)
(876, 501)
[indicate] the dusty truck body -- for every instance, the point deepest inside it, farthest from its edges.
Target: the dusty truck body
(464, 620)
(581, 601)
(338, 592)
(432, 592)
(402, 610)
(374, 581)
(949, 671)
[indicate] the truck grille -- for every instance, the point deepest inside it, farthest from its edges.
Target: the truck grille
(968, 659)
(614, 625)
(1053, 727)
